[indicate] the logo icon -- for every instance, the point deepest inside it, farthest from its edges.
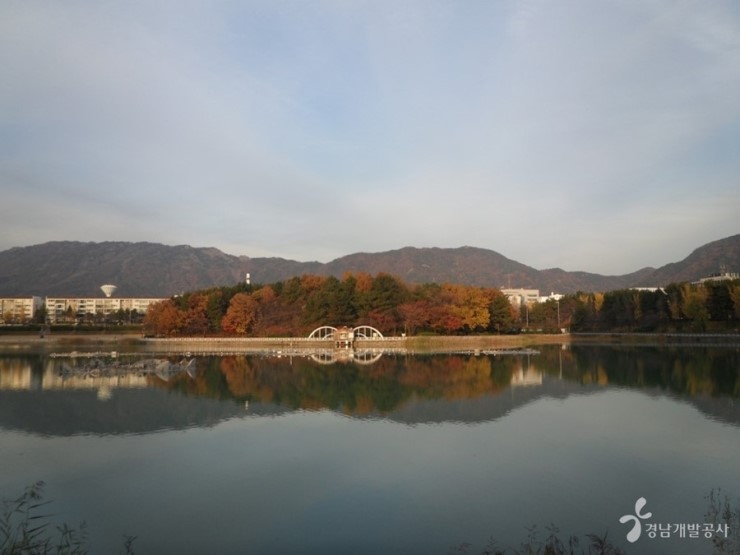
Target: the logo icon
(634, 534)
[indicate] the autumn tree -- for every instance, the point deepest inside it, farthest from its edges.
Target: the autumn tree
(388, 322)
(695, 306)
(415, 315)
(265, 294)
(241, 315)
(675, 300)
(162, 318)
(363, 281)
(310, 283)
(444, 319)
(470, 305)
(195, 317)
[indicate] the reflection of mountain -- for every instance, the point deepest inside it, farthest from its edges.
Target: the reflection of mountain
(127, 411)
(483, 409)
(410, 390)
(64, 413)
(424, 411)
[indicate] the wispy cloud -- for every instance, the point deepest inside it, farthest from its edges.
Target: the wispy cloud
(551, 132)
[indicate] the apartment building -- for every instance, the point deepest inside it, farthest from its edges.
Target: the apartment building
(17, 310)
(64, 308)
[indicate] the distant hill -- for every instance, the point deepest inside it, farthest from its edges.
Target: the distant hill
(149, 269)
(475, 266)
(706, 260)
(138, 269)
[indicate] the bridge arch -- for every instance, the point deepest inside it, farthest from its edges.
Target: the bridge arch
(323, 332)
(367, 332)
(360, 332)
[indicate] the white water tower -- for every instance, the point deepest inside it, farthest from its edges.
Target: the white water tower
(108, 289)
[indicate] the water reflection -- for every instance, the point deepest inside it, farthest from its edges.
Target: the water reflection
(358, 356)
(135, 394)
(409, 454)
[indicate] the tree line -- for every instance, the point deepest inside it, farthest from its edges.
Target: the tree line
(294, 307)
(679, 307)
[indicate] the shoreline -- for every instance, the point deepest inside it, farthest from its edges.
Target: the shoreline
(23, 342)
(430, 344)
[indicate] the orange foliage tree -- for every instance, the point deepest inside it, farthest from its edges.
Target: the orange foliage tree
(162, 319)
(241, 315)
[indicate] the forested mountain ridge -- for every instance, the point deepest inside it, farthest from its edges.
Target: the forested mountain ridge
(707, 259)
(68, 268)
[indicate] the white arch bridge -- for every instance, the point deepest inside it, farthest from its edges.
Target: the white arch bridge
(345, 336)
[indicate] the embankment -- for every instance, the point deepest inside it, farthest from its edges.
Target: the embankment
(121, 342)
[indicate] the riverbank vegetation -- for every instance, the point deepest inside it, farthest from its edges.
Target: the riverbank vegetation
(712, 306)
(299, 305)
(296, 306)
(26, 529)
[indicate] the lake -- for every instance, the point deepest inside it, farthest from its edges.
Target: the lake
(377, 454)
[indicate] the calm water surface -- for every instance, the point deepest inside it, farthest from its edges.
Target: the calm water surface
(404, 454)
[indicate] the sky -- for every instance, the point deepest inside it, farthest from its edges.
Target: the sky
(601, 136)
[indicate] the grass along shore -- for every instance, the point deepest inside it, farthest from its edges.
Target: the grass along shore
(129, 340)
(126, 341)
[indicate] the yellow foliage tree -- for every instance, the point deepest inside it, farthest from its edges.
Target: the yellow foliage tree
(735, 296)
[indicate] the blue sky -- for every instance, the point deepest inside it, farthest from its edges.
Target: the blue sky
(599, 136)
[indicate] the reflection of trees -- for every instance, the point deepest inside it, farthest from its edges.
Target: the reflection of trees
(354, 389)
(693, 371)
(456, 377)
(301, 383)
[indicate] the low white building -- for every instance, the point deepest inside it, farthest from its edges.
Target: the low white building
(723, 275)
(550, 297)
(519, 297)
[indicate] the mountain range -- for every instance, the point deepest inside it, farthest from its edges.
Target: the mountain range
(71, 268)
